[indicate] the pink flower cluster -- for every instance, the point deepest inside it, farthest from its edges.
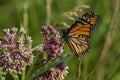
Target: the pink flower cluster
(56, 73)
(15, 53)
(51, 42)
(53, 47)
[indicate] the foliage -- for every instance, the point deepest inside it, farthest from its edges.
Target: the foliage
(101, 63)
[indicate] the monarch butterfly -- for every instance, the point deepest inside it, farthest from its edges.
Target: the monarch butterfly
(77, 36)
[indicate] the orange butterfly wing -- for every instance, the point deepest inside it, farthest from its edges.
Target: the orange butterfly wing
(80, 29)
(79, 45)
(78, 34)
(85, 25)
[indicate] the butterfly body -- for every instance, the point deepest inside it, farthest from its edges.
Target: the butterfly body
(65, 35)
(77, 36)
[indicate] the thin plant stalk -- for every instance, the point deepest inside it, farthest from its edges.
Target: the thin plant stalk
(108, 40)
(25, 15)
(48, 18)
(23, 75)
(25, 25)
(78, 73)
(48, 11)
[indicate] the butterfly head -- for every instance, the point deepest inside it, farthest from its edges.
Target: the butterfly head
(65, 35)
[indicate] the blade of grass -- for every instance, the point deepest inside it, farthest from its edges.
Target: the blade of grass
(108, 41)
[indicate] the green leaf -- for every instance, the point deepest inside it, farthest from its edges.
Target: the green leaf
(2, 74)
(48, 65)
(11, 76)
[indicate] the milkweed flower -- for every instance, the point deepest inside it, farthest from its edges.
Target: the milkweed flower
(53, 48)
(51, 42)
(15, 51)
(56, 73)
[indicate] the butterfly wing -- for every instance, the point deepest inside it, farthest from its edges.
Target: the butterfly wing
(78, 34)
(79, 45)
(84, 25)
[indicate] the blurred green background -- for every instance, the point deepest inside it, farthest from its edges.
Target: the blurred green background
(103, 60)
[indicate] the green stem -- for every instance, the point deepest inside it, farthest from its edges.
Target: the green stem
(78, 69)
(48, 11)
(25, 15)
(23, 75)
(33, 49)
(31, 67)
(15, 77)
